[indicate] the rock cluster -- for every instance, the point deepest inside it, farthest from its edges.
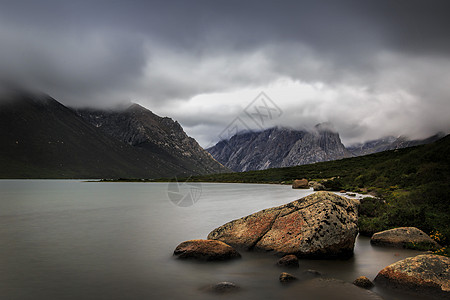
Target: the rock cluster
(319, 225)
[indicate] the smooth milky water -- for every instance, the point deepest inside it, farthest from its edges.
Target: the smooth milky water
(67, 239)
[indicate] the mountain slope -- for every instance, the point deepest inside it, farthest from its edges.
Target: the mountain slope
(139, 127)
(279, 147)
(41, 138)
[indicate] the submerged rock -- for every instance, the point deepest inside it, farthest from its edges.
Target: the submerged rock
(427, 274)
(300, 184)
(205, 250)
(319, 225)
(289, 260)
(223, 288)
(286, 277)
(363, 282)
(403, 237)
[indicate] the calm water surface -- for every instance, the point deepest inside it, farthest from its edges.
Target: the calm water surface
(63, 239)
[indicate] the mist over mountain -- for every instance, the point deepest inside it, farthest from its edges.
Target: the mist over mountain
(284, 147)
(390, 143)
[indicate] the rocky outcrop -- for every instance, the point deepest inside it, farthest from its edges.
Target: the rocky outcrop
(290, 261)
(205, 250)
(428, 274)
(403, 237)
(319, 225)
(363, 282)
(279, 147)
(300, 184)
(139, 127)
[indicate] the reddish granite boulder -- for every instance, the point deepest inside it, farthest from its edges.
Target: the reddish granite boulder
(427, 274)
(205, 250)
(320, 225)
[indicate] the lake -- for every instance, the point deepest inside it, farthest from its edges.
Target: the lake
(68, 239)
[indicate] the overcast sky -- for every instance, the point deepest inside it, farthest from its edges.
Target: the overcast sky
(372, 68)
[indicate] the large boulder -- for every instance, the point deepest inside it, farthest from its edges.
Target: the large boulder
(428, 274)
(403, 237)
(205, 250)
(300, 184)
(322, 224)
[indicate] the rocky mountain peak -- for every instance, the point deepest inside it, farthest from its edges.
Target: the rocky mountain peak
(279, 147)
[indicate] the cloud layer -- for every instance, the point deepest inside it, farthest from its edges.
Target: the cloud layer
(372, 68)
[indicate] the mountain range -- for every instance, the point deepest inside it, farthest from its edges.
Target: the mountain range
(279, 147)
(283, 147)
(42, 138)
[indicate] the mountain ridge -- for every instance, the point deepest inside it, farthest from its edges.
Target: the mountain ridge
(279, 147)
(42, 138)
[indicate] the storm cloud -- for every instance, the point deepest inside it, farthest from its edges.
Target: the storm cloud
(372, 68)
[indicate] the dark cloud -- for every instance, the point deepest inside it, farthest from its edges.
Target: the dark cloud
(163, 54)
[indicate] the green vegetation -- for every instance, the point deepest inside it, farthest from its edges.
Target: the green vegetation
(411, 185)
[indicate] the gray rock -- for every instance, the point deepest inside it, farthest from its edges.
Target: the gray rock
(426, 274)
(320, 225)
(208, 250)
(402, 237)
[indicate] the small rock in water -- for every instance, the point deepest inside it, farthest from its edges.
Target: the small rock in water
(312, 273)
(363, 282)
(205, 250)
(288, 261)
(286, 277)
(224, 287)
